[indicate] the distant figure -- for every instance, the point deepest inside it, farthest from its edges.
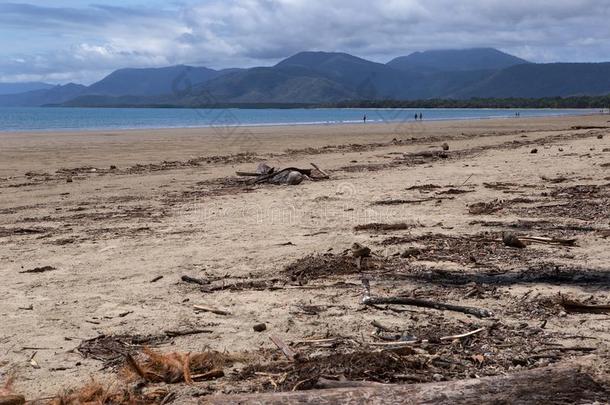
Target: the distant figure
(415, 116)
(364, 118)
(421, 117)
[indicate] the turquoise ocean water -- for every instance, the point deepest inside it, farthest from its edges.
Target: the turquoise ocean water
(56, 119)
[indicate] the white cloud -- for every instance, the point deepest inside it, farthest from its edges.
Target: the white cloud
(91, 41)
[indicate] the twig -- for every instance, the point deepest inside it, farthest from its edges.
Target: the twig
(135, 366)
(550, 241)
(372, 301)
(324, 174)
(39, 269)
(192, 280)
(464, 335)
(286, 350)
(381, 327)
(578, 307)
(212, 310)
(176, 333)
(210, 375)
(410, 343)
(154, 280)
(467, 180)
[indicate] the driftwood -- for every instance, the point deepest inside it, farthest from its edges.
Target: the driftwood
(286, 350)
(324, 383)
(269, 178)
(43, 269)
(373, 301)
(210, 309)
(417, 201)
(210, 375)
(193, 280)
(563, 383)
(289, 175)
(395, 343)
(549, 241)
(322, 172)
(573, 306)
(176, 333)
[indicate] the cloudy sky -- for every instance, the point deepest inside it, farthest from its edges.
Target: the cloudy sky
(68, 40)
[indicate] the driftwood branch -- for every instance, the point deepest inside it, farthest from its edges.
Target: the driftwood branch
(210, 309)
(372, 301)
(286, 350)
(322, 172)
(562, 383)
(573, 306)
(193, 280)
(549, 241)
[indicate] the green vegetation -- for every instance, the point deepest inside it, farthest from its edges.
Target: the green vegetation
(601, 102)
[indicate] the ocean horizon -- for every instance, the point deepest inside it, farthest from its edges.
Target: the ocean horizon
(23, 119)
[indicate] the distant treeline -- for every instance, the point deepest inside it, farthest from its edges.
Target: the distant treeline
(601, 102)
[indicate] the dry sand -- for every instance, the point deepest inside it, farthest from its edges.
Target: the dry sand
(171, 208)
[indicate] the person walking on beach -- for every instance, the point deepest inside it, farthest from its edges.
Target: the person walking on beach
(415, 116)
(364, 118)
(421, 117)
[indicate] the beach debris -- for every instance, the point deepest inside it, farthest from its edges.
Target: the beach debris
(42, 269)
(490, 207)
(193, 280)
(415, 201)
(534, 151)
(175, 367)
(264, 168)
(286, 350)
(95, 392)
(186, 332)
(375, 301)
(22, 231)
(154, 280)
(360, 251)
(7, 396)
(33, 361)
(69, 179)
(289, 176)
(259, 327)
(549, 241)
(12, 399)
(511, 240)
(445, 146)
(216, 311)
(312, 267)
(376, 227)
(410, 252)
(572, 382)
(324, 174)
(600, 136)
(110, 349)
(575, 306)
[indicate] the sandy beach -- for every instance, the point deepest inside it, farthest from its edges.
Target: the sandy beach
(111, 211)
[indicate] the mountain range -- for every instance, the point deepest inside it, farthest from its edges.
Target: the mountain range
(327, 77)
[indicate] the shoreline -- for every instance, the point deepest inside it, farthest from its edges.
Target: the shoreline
(49, 152)
(585, 113)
